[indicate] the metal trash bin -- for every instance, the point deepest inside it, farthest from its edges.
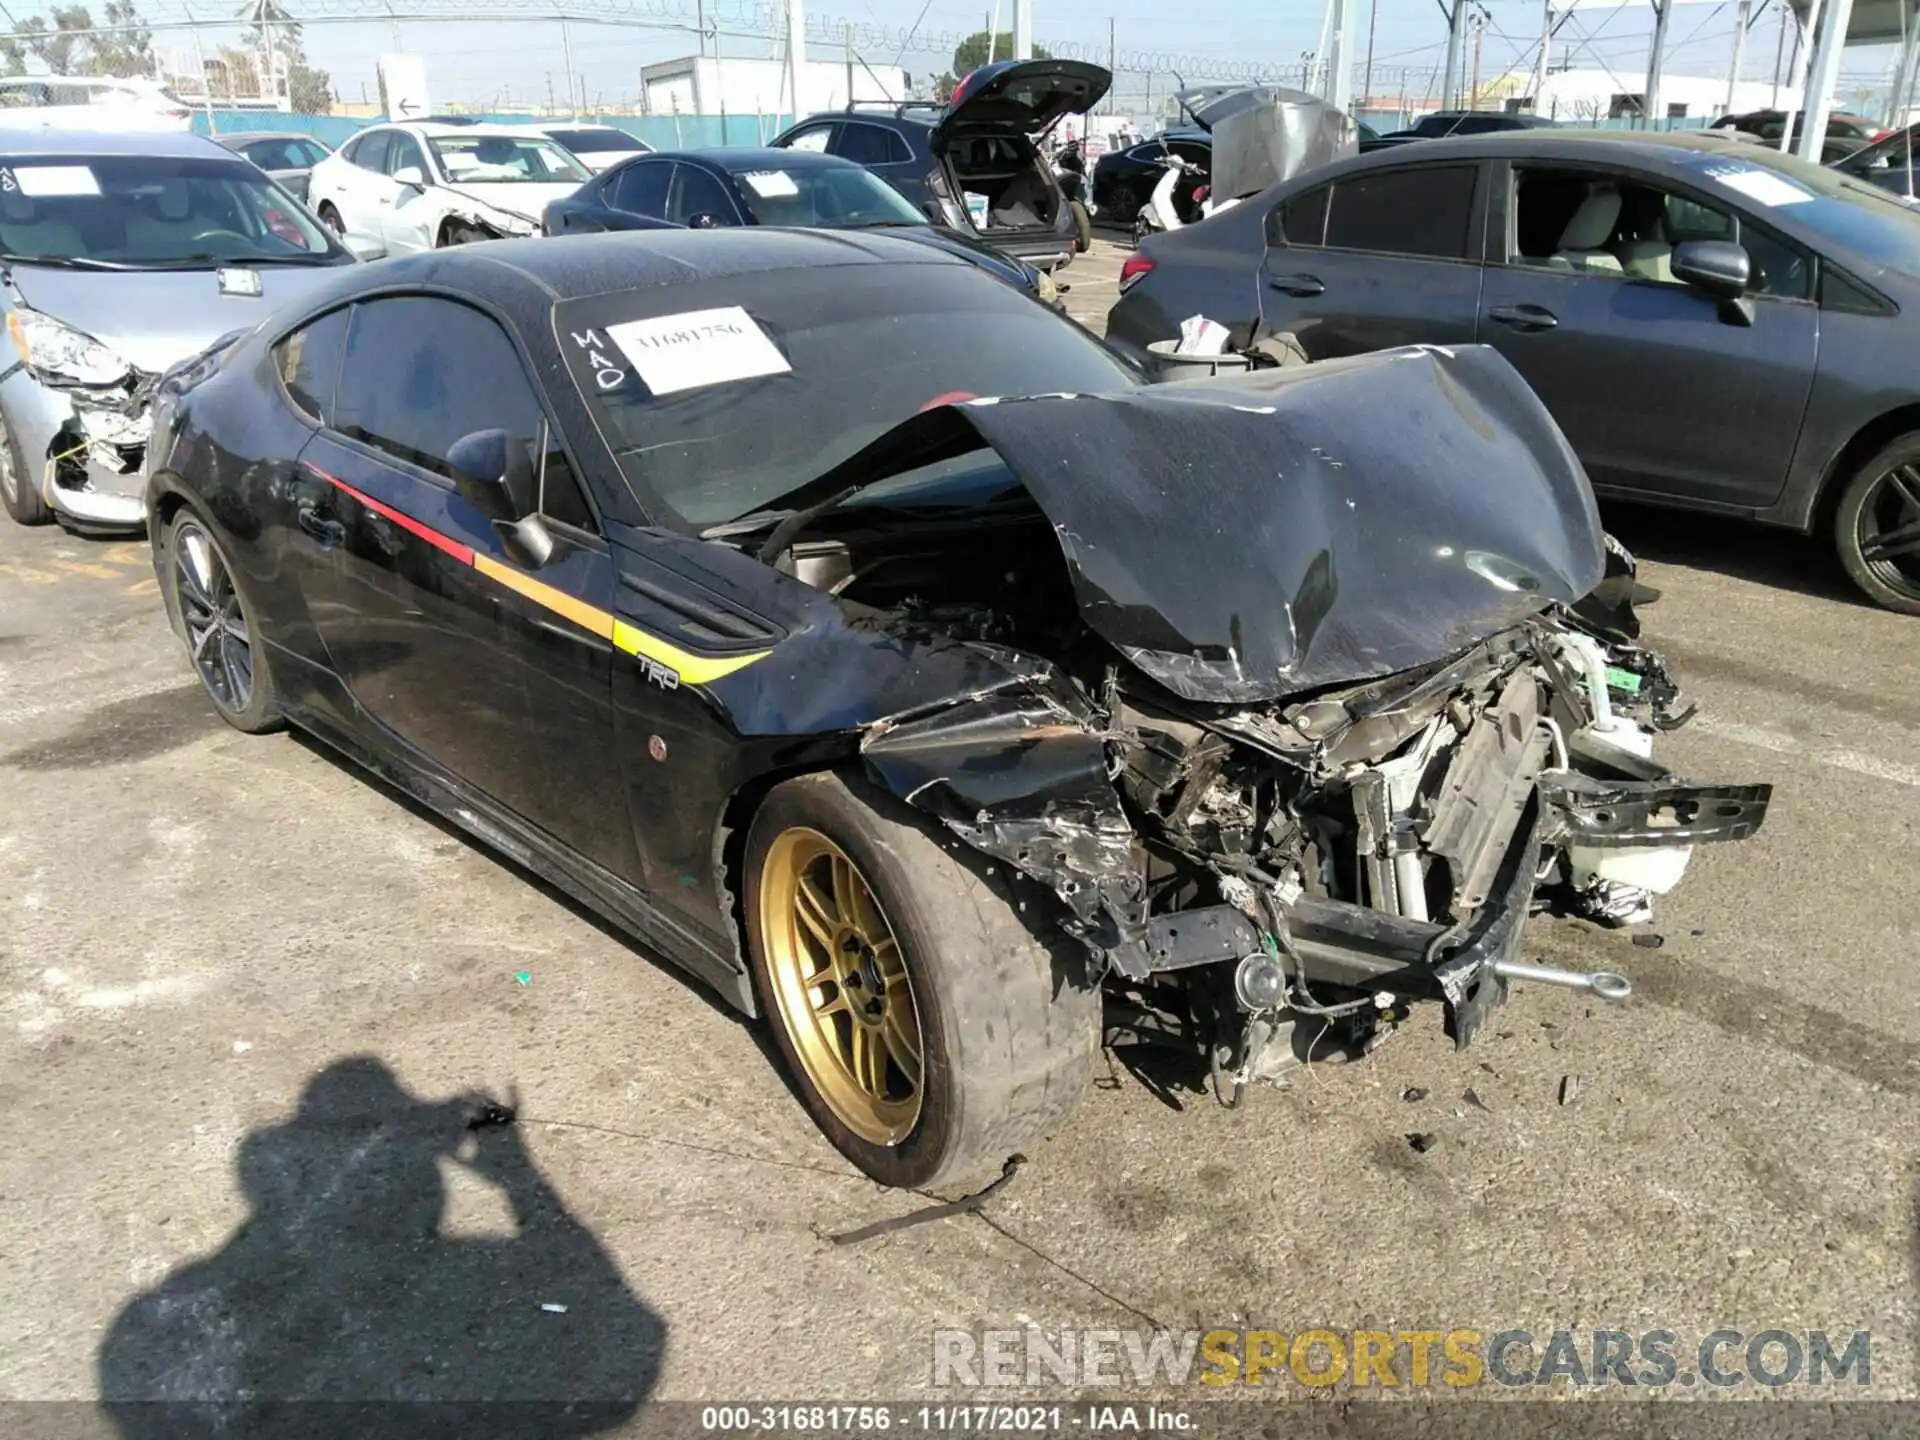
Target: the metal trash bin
(1192, 367)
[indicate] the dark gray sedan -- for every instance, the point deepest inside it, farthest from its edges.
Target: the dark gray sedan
(288, 157)
(1713, 325)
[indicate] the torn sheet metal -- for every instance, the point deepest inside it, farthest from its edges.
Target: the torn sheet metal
(1022, 776)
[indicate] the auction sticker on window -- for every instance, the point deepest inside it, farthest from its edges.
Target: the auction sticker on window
(701, 347)
(770, 184)
(1763, 186)
(40, 181)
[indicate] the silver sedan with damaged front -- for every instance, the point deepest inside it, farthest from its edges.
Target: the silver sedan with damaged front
(120, 256)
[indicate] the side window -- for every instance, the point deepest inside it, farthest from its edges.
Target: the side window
(1300, 219)
(1201, 155)
(643, 188)
(418, 373)
(403, 151)
(371, 152)
(870, 145)
(309, 362)
(813, 139)
(1781, 270)
(695, 192)
(1423, 213)
(350, 149)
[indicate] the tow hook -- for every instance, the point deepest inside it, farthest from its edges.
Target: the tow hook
(1604, 983)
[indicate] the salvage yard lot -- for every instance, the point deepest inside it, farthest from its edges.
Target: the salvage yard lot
(194, 925)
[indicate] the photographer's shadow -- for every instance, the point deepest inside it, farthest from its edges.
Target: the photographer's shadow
(340, 1287)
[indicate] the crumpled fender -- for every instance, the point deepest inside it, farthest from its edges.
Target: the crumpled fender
(1020, 774)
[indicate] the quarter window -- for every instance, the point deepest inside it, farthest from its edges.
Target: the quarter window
(418, 373)
(1424, 212)
(309, 363)
(1300, 220)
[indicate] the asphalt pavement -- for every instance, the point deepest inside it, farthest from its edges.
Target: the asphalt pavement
(244, 990)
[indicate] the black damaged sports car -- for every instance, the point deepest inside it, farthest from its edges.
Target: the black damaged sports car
(701, 574)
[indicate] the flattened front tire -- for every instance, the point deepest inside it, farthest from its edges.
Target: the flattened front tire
(1006, 1027)
(18, 492)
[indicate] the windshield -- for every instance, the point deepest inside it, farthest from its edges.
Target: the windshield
(152, 212)
(830, 195)
(598, 142)
(504, 160)
(1851, 213)
(721, 397)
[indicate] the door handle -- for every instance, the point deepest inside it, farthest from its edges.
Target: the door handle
(1305, 286)
(1524, 318)
(328, 531)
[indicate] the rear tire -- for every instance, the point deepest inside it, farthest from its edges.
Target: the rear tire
(1883, 498)
(18, 492)
(458, 234)
(1082, 227)
(1005, 1023)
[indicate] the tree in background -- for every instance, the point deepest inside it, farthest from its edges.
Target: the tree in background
(971, 54)
(71, 46)
(309, 91)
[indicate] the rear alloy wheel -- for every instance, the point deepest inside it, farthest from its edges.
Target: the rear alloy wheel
(1082, 227)
(931, 1034)
(330, 218)
(211, 616)
(1877, 527)
(17, 490)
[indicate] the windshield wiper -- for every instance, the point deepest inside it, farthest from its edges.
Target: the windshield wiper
(67, 262)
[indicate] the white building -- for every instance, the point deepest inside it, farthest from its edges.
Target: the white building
(710, 85)
(1596, 95)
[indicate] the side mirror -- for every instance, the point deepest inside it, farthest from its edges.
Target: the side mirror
(494, 473)
(411, 175)
(1718, 268)
(364, 247)
(705, 220)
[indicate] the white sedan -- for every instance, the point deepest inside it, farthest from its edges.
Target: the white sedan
(421, 186)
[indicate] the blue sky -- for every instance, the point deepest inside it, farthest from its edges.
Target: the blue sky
(477, 59)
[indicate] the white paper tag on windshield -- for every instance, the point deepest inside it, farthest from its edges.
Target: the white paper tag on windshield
(1763, 186)
(44, 180)
(770, 184)
(701, 347)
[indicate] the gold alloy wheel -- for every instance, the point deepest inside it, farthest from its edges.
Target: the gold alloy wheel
(841, 985)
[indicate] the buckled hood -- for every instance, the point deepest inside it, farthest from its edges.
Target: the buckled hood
(1242, 540)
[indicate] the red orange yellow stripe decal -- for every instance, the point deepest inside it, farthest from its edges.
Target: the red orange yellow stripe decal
(689, 668)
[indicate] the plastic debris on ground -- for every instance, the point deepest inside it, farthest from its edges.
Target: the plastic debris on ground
(525, 977)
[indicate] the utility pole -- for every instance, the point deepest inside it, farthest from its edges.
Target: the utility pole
(1112, 104)
(700, 21)
(1740, 23)
(796, 53)
(1546, 43)
(1339, 91)
(566, 48)
(1373, 19)
(1456, 25)
(1797, 81)
(1779, 51)
(1479, 37)
(1656, 64)
(1829, 40)
(1023, 29)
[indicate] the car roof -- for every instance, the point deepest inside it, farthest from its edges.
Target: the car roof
(247, 137)
(634, 259)
(437, 129)
(166, 144)
(1654, 146)
(736, 159)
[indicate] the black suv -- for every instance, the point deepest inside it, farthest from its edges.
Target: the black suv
(973, 163)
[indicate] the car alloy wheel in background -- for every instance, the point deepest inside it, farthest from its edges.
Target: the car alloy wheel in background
(841, 986)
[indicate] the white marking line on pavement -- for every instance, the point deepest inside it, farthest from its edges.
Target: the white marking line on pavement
(1875, 767)
(20, 714)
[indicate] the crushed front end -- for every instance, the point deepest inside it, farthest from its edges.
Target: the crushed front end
(1341, 711)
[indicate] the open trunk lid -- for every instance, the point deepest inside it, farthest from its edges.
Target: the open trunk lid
(1024, 95)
